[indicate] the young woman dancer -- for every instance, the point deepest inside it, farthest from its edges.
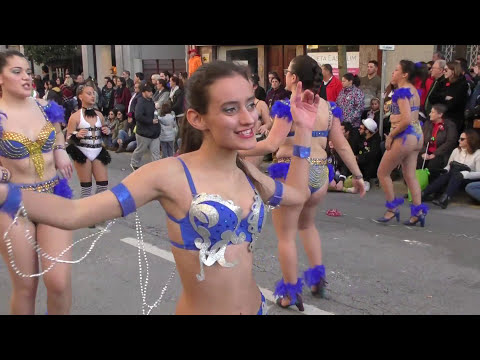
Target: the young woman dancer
(214, 201)
(85, 131)
(289, 221)
(32, 149)
(403, 144)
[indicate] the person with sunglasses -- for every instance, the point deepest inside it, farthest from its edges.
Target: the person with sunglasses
(463, 168)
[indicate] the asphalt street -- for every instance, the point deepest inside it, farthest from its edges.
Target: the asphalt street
(372, 268)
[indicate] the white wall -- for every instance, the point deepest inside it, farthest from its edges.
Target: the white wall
(104, 62)
(414, 53)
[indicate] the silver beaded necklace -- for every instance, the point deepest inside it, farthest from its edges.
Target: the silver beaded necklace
(146, 308)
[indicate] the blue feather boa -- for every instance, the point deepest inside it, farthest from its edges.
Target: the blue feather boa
(63, 189)
(401, 93)
(313, 275)
(281, 109)
(283, 289)
(55, 112)
(278, 171)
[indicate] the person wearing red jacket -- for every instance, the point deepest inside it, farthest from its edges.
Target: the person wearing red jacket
(331, 85)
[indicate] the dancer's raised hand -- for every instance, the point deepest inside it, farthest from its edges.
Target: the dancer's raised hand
(304, 107)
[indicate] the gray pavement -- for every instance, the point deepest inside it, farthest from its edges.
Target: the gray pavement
(371, 268)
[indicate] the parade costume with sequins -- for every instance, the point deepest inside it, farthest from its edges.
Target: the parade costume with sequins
(17, 146)
(213, 223)
(91, 145)
(415, 127)
(319, 173)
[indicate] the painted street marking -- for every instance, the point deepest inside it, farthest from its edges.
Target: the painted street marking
(167, 255)
(413, 242)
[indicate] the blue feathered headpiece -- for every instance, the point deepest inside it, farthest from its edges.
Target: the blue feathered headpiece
(55, 112)
(281, 109)
(401, 93)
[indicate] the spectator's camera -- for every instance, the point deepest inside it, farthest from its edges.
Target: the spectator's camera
(474, 113)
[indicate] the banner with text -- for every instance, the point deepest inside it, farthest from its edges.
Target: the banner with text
(353, 61)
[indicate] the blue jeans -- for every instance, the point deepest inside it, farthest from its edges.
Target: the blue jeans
(473, 189)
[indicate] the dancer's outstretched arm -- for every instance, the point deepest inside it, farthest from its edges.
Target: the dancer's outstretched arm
(345, 151)
(145, 184)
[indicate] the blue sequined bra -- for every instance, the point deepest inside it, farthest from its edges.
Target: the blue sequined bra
(333, 110)
(213, 223)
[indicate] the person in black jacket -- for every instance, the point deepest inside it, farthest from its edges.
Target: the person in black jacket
(436, 94)
(456, 94)
(148, 128)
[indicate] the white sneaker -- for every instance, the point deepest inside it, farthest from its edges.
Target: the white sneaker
(367, 186)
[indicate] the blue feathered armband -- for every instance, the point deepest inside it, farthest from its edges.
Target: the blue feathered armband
(401, 93)
(55, 112)
(281, 109)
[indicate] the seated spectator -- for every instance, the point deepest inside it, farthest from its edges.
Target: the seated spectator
(441, 137)
(110, 122)
(120, 124)
(351, 100)
(352, 136)
(463, 168)
(340, 170)
(369, 153)
(456, 94)
(127, 141)
(473, 189)
(374, 111)
(277, 92)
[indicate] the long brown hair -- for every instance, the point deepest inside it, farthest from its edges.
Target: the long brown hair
(473, 140)
(197, 97)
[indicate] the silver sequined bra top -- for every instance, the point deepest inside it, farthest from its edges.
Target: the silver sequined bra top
(213, 223)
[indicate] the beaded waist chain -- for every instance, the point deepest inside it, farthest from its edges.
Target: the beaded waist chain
(43, 187)
(312, 161)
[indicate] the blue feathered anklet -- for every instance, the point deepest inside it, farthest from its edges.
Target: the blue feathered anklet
(292, 291)
(316, 277)
(419, 212)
